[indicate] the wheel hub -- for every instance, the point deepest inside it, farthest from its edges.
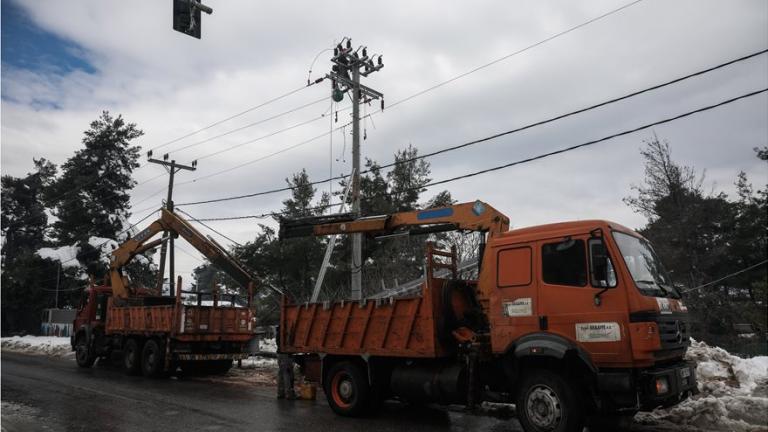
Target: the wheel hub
(543, 407)
(345, 389)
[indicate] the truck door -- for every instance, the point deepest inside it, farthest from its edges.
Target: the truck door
(514, 305)
(579, 297)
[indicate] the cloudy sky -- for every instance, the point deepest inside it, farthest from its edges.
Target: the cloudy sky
(65, 62)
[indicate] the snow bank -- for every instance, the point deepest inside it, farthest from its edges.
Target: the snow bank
(733, 393)
(46, 345)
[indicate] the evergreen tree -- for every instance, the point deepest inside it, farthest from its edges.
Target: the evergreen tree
(25, 276)
(91, 198)
(702, 237)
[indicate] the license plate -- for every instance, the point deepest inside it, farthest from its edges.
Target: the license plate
(685, 373)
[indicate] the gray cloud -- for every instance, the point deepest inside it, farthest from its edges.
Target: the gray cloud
(171, 84)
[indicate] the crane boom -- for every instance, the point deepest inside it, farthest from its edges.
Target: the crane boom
(175, 225)
(469, 216)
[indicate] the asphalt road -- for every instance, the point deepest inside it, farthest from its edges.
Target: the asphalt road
(49, 394)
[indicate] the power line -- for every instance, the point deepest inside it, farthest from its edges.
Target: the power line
(194, 219)
(249, 125)
(520, 51)
(754, 266)
(297, 125)
(267, 156)
(275, 99)
(548, 154)
(488, 138)
(500, 59)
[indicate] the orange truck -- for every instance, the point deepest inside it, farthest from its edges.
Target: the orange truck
(158, 334)
(575, 323)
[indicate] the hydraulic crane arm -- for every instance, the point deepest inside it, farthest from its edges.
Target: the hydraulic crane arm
(471, 216)
(172, 223)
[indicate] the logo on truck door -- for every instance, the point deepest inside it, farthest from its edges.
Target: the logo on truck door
(518, 307)
(598, 332)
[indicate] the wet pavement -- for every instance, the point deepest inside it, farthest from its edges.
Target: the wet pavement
(51, 394)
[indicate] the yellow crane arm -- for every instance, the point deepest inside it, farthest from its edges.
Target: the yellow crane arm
(470, 216)
(174, 224)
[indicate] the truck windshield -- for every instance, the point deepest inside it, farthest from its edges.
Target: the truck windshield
(645, 267)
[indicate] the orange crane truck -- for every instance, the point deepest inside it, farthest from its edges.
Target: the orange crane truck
(158, 333)
(574, 323)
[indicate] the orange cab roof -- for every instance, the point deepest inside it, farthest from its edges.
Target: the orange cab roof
(561, 229)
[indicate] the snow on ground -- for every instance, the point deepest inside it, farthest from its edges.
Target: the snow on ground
(45, 345)
(733, 393)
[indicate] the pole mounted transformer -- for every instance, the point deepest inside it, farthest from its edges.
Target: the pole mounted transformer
(187, 16)
(348, 66)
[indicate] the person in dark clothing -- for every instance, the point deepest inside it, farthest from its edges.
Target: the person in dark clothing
(285, 386)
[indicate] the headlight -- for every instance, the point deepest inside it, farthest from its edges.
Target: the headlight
(662, 385)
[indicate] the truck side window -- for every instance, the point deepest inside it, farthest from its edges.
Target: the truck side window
(513, 267)
(601, 268)
(564, 263)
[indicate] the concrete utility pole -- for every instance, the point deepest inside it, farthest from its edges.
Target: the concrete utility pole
(348, 66)
(172, 167)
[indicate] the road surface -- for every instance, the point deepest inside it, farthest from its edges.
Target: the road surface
(52, 394)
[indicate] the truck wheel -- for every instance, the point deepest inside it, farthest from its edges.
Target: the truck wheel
(132, 357)
(547, 402)
(83, 353)
(347, 390)
(152, 359)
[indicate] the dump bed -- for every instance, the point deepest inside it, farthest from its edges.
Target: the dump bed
(183, 322)
(394, 327)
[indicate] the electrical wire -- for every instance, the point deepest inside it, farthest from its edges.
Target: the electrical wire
(752, 267)
(249, 125)
(484, 139)
(548, 154)
(261, 158)
(194, 219)
(520, 51)
(275, 99)
(408, 98)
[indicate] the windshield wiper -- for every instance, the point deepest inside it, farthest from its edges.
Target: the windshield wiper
(658, 286)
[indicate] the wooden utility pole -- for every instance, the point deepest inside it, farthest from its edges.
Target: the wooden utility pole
(172, 167)
(348, 66)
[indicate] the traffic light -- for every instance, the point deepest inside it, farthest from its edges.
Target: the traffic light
(186, 16)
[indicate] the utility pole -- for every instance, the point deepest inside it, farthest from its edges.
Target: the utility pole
(172, 167)
(58, 278)
(348, 66)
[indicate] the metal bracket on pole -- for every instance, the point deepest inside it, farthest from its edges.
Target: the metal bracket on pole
(329, 248)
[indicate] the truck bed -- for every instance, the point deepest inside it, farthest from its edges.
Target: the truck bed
(395, 327)
(183, 322)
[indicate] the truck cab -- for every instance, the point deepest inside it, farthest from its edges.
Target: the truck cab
(597, 290)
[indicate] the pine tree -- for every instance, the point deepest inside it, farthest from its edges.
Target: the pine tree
(25, 276)
(91, 198)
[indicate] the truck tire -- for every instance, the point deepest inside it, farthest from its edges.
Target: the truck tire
(548, 402)
(132, 357)
(347, 390)
(83, 352)
(153, 359)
